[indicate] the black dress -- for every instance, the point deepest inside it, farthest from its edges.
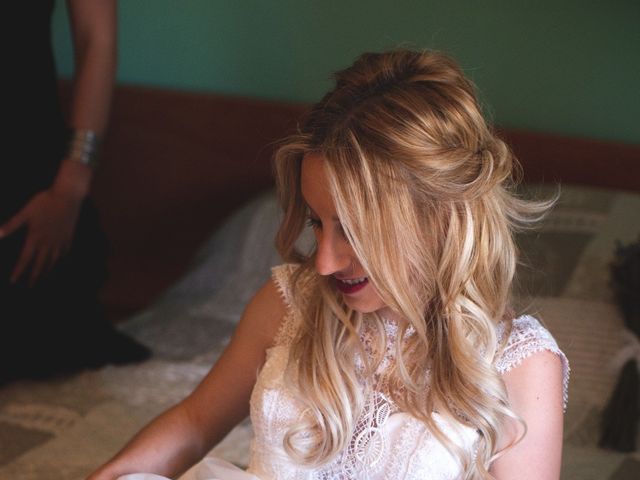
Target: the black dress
(58, 324)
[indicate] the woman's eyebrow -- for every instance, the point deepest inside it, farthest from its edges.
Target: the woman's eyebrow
(311, 211)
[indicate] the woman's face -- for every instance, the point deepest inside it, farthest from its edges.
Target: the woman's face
(334, 256)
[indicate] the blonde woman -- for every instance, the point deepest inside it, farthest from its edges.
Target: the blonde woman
(390, 350)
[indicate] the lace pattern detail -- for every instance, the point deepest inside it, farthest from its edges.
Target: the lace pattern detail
(366, 454)
(387, 443)
(398, 464)
(527, 337)
(282, 277)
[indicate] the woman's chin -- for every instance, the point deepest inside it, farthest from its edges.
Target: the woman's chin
(359, 295)
(364, 303)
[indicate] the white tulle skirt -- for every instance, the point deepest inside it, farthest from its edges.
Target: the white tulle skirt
(210, 468)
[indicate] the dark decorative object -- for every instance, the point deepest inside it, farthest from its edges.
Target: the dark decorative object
(622, 414)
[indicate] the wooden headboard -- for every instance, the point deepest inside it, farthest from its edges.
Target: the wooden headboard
(176, 163)
(581, 161)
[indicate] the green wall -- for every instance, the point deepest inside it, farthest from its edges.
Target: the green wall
(562, 66)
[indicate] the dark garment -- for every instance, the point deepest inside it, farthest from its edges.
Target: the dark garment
(58, 325)
(34, 134)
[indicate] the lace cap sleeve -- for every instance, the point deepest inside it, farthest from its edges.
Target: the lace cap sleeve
(283, 278)
(527, 337)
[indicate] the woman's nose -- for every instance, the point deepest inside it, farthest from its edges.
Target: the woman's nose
(331, 256)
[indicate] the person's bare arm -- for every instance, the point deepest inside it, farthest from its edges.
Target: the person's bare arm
(535, 391)
(50, 216)
(94, 30)
(181, 436)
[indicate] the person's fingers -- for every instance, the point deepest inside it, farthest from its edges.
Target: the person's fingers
(53, 258)
(26, 255)
(13, 224)
(41, 260)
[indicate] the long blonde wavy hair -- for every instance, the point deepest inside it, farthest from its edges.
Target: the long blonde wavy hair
(424, 191)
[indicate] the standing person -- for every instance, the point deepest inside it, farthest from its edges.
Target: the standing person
(52, 251)
(389, 351)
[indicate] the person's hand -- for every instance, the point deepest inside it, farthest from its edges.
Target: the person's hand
(50, 218)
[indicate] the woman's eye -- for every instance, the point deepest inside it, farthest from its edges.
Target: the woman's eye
(313, 223)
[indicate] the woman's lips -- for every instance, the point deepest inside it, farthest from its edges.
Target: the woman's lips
(354, 286)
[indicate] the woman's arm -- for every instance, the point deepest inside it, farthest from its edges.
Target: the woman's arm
(94, 31)
(181, 436)
(51, 215)
(535, 392)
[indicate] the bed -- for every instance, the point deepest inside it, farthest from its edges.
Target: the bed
(186, 199)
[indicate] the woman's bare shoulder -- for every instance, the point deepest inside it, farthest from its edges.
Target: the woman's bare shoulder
(263, 315)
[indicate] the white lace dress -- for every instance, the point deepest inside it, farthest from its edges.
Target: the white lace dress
(387, 443)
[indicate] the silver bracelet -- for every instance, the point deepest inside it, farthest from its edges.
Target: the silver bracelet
(84, 147)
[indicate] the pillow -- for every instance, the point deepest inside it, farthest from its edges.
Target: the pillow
(202, 308)
(199, 312)
(569, 254)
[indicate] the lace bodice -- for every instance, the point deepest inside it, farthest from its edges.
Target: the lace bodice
(387, 443)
